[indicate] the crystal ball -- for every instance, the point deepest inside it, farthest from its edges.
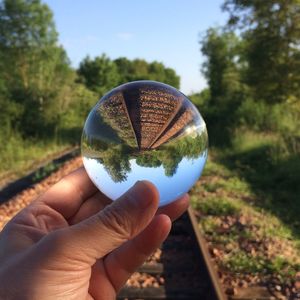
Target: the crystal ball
(144, 130)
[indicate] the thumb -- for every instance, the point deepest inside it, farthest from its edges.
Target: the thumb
(126, 217)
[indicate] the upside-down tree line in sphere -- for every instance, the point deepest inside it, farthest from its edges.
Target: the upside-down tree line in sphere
(42, 97)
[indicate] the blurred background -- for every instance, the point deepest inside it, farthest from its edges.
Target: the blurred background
(238, 61)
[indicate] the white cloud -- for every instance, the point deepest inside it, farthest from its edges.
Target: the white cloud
(125, 36)
(74, 42)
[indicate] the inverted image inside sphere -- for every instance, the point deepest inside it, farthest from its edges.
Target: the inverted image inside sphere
(144, 130)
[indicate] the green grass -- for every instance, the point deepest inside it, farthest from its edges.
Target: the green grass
(210, 224)
(271, 174)
(242, 262)
(249, 206)
(46, 171)
(215, 206)
(18, 156)
(214, 168)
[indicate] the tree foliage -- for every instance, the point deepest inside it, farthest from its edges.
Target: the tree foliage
(43, 99)
(224, 68)
(139, 69)
(271, 30)
(253, 70)
(27, 45)
(101, 74)
(221, 68)
(36, 80)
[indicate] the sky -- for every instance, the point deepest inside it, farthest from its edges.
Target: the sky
(167, 31)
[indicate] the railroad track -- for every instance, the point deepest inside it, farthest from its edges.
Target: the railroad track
(182, 270)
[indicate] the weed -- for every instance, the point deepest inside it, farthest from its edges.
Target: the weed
(45, 171)
(216, 206)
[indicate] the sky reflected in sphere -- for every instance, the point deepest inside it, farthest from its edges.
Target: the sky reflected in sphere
(144, 130)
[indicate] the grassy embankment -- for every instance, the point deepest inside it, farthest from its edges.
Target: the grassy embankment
(249, 207)
(18, 155)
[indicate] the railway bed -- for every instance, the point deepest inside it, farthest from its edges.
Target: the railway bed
(181, 268)
(178, 270)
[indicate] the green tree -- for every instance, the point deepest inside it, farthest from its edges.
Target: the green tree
(201, 99)
(172, 78)
(99, 74)
(139, 69)
(271, 30)
(125, 70)
(221, 67)
(224, 68)
(33, 67)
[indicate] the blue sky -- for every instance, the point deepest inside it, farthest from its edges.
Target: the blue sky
(164, 30)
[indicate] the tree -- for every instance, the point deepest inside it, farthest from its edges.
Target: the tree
(99, 74)
(172, 78)
(139, 69)
(33, 67)
(125, 70)
(271, 30)
(201, 99)
(224, 68)
(220, 68)
(27, 36)
(26, 24)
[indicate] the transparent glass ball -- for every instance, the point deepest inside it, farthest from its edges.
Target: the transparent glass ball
(144, 130)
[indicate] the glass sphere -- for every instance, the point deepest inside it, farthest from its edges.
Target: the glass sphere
(144, 130)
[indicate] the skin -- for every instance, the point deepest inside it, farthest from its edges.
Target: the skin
(74, 243)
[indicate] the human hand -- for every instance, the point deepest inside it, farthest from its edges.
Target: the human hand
(74, 243)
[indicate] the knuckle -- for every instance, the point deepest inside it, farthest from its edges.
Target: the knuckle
(54, 242)
(115, 220)
(55, 238)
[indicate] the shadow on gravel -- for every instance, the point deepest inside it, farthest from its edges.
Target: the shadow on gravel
(184, 270)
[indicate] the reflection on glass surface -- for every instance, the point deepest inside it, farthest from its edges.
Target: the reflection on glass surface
(144, 130)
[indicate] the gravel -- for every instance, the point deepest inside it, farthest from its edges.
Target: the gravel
(21, 200)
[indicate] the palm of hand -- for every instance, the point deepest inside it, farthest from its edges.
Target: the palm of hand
(51, 251)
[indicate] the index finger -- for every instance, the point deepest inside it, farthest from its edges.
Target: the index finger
(69, 193)
(175, 209)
